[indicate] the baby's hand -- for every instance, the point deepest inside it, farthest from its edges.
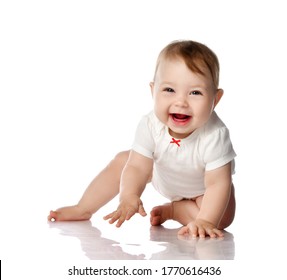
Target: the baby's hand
(129, 206)
(200, 228)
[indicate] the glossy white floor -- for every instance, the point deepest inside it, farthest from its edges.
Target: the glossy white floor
(139, 241)
(136, 239)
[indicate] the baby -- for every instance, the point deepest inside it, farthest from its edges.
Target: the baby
(182, 147)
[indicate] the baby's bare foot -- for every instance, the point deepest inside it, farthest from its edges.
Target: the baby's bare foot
(160, 214)
(70, 213)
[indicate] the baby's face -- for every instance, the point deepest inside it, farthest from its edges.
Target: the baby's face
(183, 100)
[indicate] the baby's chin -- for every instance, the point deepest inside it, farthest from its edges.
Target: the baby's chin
(179, 133)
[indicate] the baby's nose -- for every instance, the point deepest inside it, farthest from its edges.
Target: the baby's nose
(181, 102)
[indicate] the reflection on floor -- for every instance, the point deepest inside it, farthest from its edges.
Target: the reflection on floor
(137, 240)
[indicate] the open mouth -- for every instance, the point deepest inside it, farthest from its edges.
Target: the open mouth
(180, 118)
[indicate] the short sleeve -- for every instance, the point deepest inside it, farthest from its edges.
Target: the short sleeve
(218, 149)
(144, 143)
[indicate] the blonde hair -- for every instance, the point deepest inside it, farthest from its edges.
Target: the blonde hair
(197, 57)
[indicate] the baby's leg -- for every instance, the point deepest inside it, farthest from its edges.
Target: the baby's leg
(185, 211)
(182, 211)
(101, 190)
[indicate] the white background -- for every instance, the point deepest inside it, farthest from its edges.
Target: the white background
(74, 82)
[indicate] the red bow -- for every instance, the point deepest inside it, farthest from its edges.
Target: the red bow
(175, 142)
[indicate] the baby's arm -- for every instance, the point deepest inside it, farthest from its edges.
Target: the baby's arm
(135, 176)
(218, 186)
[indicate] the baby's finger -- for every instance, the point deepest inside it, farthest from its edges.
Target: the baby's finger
(142, 210)
(183, 230)
(201, 232)
(108, 216)
(130, 213)
(211, 233)
(194, 230)
(121, 220)
(112, 216)
(217, 233)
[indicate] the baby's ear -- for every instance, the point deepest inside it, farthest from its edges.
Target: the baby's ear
(218, 95)
(151, 84)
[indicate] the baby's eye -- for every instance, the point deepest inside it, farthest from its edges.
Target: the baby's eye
(168, 90)
(195, 92)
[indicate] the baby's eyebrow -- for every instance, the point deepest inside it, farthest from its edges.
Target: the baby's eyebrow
(167, 83)
(199, 86)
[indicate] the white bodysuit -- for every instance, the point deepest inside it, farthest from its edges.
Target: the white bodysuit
(180, 165)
